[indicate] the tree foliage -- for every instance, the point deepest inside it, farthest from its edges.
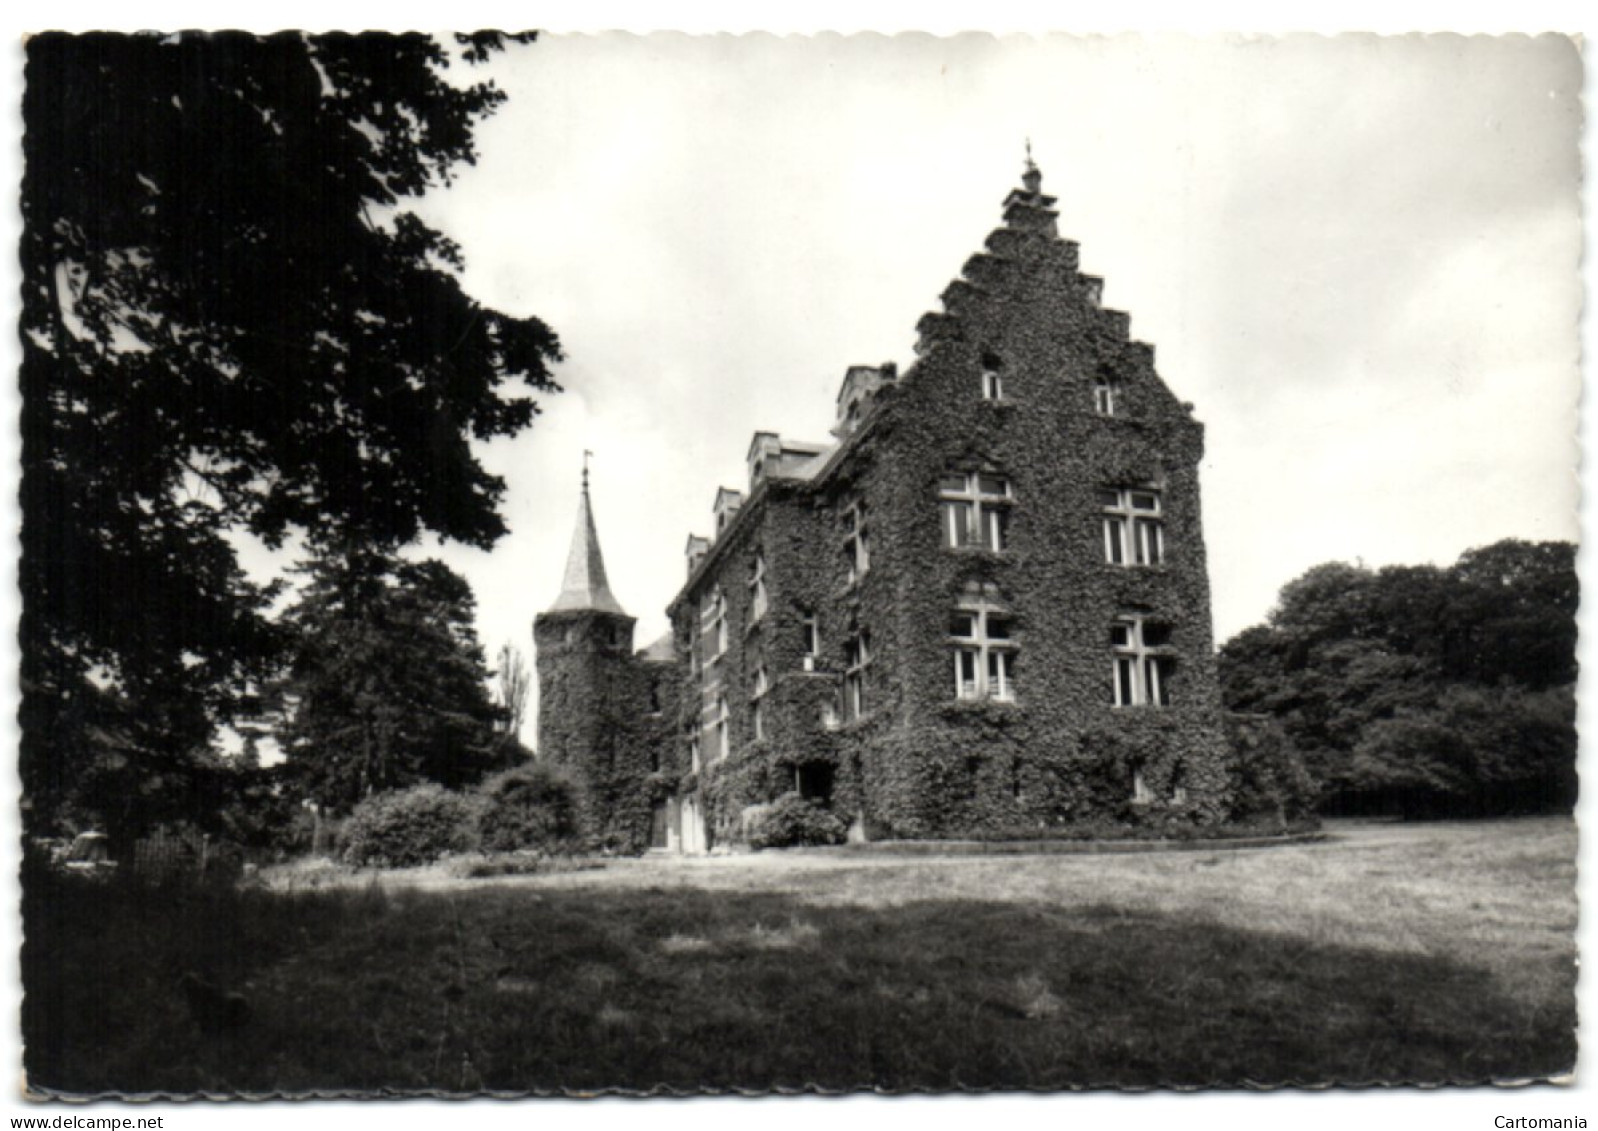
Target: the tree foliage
(229, 324)
(1424, 689)
(388, 685)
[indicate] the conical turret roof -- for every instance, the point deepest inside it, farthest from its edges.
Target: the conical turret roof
(585, 586)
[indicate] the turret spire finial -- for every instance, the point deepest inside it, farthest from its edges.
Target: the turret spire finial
(585, 585)
(1033, 177)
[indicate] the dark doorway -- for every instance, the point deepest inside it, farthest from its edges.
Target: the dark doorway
(814, 781)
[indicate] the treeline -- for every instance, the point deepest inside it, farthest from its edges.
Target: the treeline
(279, 351)
(380, 685)
(1420, 690)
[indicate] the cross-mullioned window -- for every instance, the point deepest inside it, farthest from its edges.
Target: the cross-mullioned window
(976, 509)
(1142, 662)
(984, 653)
(1134, 525)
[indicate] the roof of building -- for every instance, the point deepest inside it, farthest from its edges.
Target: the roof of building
(661, 650)
(585, 586)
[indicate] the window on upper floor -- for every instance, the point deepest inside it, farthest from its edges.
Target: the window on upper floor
(757, 701)
(984, 653)
(720, 729)
(1142, 663)
(856, 540)
(857, 661)
(1106, 395)
(713, 625)
(1134, 525)
(976, 509)
(694, 757)
(810, 637)
(992, 378)
(757, 588)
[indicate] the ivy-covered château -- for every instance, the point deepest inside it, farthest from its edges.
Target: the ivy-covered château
(981, 610)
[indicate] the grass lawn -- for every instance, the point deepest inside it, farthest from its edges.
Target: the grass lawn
(1430, 952)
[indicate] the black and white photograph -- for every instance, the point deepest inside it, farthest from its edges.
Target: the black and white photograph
(660, 565)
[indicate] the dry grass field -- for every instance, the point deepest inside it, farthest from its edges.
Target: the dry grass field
(1424, 952)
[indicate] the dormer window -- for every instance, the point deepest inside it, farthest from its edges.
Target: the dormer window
(726, 508)
(976, 509)
(697, 548)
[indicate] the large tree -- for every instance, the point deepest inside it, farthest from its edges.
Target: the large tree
(1421, 688)
(388, 687)
(230, 324)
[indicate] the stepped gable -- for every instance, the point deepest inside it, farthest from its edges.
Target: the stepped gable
(1028, 246)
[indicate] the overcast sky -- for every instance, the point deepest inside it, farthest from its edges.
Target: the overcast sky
(1357, 257)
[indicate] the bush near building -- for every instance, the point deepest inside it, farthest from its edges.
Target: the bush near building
(792, 821)
(532, 807)
(404, 828)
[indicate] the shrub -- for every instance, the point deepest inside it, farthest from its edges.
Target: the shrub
(403, 828)
(1267, 778)
(791, 821)
(532, 807)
